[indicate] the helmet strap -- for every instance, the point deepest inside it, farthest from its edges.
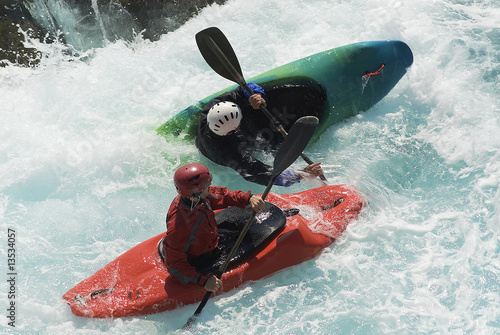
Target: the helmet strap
(194, 204)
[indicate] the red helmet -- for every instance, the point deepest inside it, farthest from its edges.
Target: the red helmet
(191, 179)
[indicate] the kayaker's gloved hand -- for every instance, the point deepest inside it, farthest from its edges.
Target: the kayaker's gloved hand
(312, 170)
(258, 97)
(256, 203)
(213, 283)
(256, 100)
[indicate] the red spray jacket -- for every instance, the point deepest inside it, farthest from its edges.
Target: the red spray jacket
(192, 232)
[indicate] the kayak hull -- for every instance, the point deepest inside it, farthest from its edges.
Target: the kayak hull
(137, 282)
(355, 77)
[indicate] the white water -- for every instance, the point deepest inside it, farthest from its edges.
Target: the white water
(84, 177)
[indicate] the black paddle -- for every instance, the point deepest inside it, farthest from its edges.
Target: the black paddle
(219, 54)
(298, 138)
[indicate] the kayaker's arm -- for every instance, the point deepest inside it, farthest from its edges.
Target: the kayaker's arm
(312, 171)
(177, 263)
(221, 197)
(240, 97)
(257, 99)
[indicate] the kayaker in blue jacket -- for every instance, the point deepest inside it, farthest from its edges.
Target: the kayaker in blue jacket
(232, 129)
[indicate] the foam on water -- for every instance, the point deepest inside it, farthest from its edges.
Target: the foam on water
(84, 177)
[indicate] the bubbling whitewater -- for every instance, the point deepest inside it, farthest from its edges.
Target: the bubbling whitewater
(84, 176)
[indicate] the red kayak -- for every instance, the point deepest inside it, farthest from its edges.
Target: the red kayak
(293, 228)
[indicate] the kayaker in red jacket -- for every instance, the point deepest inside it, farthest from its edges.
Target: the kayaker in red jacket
(191, 225)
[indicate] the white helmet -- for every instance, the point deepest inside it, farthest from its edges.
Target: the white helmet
(224, 117)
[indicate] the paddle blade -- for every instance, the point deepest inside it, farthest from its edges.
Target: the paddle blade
(219, 54)
(295, 142)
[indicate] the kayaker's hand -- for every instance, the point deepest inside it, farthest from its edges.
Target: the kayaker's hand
(256, 203)
(256, 100)
(213, 283)
(314, 169)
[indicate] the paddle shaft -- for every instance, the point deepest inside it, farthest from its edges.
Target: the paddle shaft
(300, 135)
(238, 78)
(235, 247)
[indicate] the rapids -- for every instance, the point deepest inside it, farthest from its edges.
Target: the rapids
(85, 177)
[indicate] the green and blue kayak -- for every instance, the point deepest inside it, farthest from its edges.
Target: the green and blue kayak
(355, 77)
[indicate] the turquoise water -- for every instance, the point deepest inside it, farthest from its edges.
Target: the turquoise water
(84, 177)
